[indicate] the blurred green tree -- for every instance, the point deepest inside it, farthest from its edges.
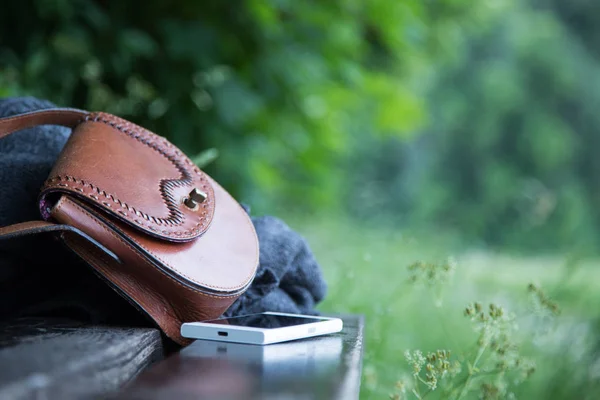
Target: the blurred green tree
(274, 88)
(474, 116)
(515, 147)
(509, 157)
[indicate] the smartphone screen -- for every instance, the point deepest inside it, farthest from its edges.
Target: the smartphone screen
(268, 321)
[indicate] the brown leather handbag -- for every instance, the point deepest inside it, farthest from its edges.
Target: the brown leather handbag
(133, 206)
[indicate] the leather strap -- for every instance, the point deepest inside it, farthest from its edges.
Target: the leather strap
(37, 227)
(28, 228)
(68, 117)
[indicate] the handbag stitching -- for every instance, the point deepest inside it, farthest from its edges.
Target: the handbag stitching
(96, 190)
(176, 216)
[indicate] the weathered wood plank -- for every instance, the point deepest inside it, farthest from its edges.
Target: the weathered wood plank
(60, 359)
(66, 360)
(327, 367)
(353, 338)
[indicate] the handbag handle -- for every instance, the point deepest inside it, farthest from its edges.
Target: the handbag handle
(68, 117)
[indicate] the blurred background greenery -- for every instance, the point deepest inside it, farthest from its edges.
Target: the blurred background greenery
(476, 117)
(422, 128)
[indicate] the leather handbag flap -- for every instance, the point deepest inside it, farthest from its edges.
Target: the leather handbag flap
(136, 176)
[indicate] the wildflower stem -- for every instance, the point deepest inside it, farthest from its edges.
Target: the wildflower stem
(480, 374)
(479, 354)
(422, 380)
(416, 388)
(472, 372)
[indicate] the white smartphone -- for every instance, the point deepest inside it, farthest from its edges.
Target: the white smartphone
(264, 328)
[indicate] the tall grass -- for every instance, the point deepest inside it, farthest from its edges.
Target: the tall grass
(414, 300)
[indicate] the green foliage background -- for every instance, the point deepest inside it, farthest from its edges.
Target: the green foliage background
(478, 117)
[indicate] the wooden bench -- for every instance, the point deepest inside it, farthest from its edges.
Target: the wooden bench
(53, 358)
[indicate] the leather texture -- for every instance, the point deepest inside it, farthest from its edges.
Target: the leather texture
(115, 196)
(133, 174)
